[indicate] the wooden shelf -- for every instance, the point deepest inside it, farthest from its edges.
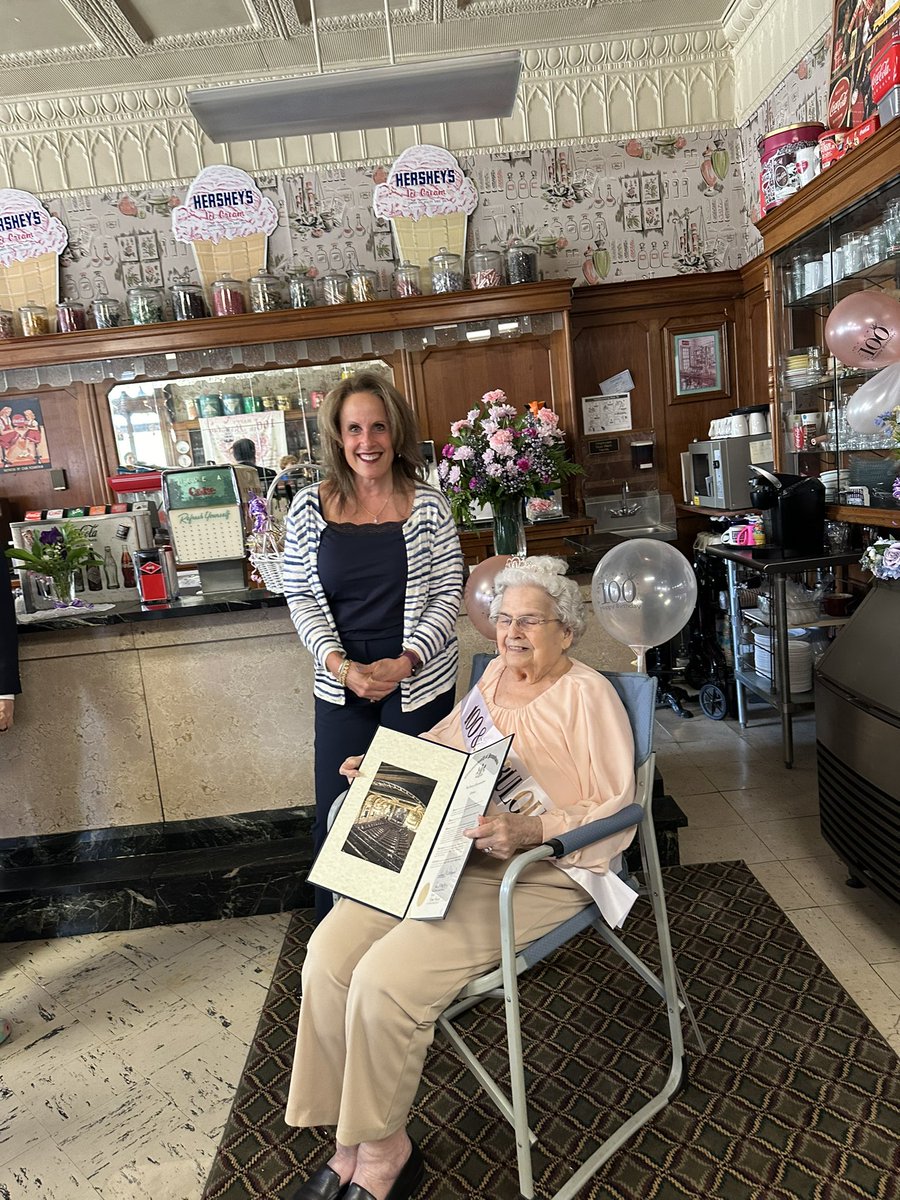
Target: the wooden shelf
(856, 514)
(290, 414)
(377, 316)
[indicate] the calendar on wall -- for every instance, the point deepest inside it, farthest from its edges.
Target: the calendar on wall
(206, 520)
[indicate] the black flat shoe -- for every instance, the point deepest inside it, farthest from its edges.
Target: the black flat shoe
(404, 1185)
(324, 1185)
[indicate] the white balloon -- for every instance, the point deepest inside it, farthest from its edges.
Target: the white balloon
(877, 396)
(643, 592)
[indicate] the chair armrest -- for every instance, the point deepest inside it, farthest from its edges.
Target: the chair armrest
(596, 831)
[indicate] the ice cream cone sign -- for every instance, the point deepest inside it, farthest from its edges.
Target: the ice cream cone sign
(227, 220)
(428, 200)
(31, 241)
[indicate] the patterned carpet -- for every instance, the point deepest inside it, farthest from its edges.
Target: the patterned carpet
(797, 1098)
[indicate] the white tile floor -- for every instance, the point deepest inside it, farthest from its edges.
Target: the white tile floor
(127, 1046)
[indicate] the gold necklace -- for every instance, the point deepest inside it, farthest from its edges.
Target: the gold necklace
(375, 516)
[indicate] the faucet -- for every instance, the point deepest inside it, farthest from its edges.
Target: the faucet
(625, 509)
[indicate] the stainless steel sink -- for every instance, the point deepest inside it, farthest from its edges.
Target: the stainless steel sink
(662, 533)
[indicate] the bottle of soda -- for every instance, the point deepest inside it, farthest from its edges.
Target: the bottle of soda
(109, 567)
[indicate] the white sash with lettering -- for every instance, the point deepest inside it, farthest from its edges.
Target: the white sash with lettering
(519, 792)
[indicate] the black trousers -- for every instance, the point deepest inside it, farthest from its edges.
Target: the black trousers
(347, 729)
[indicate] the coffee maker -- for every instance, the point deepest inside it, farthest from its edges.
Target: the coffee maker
(793, 508)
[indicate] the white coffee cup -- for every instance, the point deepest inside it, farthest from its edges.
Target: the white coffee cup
(739, 426)
(757, 422)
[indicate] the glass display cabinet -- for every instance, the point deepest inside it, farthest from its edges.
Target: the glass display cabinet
(857, 248)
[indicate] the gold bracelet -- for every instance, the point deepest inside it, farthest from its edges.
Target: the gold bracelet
(343, 672)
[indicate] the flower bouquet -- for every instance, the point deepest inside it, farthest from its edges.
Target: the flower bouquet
(882, 558)
(57, 553)
(499, 457)
(265, 543)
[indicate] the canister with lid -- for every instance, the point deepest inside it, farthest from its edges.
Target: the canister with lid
(362, 284)
(248, 404)
(228, 297)
(34, 319)
(7, 329)
(145, 304)
(210, 406)
(407, 281)
(232, 404)
(486, 268)
(521, 262)
(302, 290)
(106, 312)
(70, 316)
(188, 303)
(266, 292)
(446, 271)
(283, 403)
(335, 287)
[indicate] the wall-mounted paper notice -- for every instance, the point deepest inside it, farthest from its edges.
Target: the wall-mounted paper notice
(616, 384)
(606, 414)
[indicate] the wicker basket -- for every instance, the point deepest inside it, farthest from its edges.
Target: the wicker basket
(269, 563)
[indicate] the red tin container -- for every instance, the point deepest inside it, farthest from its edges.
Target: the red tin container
(151, 575)
(884, 70)
(787, 161)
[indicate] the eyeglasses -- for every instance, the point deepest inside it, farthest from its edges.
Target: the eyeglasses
(505, 621)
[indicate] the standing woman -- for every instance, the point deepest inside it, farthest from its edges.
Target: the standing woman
(373, 576)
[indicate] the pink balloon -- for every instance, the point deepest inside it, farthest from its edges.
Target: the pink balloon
(480, 592)
(863, 330)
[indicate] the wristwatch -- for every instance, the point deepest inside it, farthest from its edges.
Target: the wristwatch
(414, 661)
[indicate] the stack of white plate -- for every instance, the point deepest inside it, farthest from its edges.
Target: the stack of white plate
(830, 483)
(799, 659)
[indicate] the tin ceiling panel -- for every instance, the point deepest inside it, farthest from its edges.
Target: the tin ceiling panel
(34, 26)
(156, 20)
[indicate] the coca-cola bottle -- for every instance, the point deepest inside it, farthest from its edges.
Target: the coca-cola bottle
(128, 579)
(109, 567)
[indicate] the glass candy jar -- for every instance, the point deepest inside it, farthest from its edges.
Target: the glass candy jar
(335, 288)
(266, 293)
(106, 312)
(228, 297)
(362, 284)
(70, 316)
(407, 281)
(446, 271)
(34, 319)
(302, 290)
(187, 302)
(7, 329)
(521, 262)
(145, 304)
(485, 268)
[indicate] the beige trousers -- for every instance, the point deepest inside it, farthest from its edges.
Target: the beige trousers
(373, 987)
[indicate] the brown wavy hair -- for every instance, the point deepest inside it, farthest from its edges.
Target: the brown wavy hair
(408, 466)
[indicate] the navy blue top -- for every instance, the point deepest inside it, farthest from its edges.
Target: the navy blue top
(363, 573)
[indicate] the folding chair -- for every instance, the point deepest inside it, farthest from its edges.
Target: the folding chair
(638, 694)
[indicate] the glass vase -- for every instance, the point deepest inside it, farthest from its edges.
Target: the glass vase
(509, 526)
(62, 588)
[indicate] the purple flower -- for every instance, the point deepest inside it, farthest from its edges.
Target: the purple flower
(896, 488)
(51, 537)
(447, 451)
(891, 557)
(474, 483)
(523, 464)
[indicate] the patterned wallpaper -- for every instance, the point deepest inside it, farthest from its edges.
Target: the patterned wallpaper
(637, 209)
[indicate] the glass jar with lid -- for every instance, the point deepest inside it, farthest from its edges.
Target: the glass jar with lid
(7, 328)
(228, 297)
(106, 312)
(266, 292)
(335, 287)
(407, 281)
(302, 290)
(34, 319)
(362, 285)
(70, 316)
(485, 268)
(446, 271)
(145, 304)
(521, 262)
(188, 302)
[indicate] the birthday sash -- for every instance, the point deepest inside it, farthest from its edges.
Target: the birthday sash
(518, 792)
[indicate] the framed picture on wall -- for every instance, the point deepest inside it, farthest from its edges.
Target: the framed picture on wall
(699, 363)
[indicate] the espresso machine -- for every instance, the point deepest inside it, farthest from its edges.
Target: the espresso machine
(793, 508)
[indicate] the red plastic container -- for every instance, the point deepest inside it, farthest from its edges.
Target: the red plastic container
(786, 161)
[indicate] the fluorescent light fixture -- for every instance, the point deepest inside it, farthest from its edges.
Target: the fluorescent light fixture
(471, 88)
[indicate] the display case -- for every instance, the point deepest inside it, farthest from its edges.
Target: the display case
(855, 249)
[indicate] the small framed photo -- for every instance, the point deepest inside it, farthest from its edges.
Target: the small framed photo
(652, 217)
(152, 273)
(633, 218)
(131, 274)
(699, 361)
(631, 189)
(650, 190)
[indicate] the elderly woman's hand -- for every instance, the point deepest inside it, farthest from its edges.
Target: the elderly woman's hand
(350, 766)
(502, 834)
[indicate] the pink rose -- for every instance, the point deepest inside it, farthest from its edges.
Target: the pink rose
(496, 397)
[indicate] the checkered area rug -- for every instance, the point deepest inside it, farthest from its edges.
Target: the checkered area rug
(796, 1098)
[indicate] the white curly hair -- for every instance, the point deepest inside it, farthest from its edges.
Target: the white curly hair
(549, 574)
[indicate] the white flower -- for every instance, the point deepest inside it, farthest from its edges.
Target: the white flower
(453, 475)
(462, 453)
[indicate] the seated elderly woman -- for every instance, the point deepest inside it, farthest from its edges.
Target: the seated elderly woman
(373, 985)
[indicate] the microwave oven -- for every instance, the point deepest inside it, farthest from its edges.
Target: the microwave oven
(716, 474)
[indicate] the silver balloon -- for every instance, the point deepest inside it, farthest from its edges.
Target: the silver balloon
(877, 396)
(643, 592)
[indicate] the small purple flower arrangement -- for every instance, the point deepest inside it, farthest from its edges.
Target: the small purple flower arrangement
(58, 552)
(495, 453)
(882, 558)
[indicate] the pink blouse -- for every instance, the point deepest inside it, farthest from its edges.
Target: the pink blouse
(575, 738)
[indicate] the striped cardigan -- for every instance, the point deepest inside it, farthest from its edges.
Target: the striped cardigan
(433, 593)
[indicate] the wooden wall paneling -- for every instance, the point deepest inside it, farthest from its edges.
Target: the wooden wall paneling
(75, 442)
(754, 334)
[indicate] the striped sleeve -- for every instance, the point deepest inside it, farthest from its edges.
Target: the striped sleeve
(307, 606)
(436, 557)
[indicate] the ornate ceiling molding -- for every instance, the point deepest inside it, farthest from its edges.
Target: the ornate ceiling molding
(740, 17)
(783, 32)
(108, 24)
